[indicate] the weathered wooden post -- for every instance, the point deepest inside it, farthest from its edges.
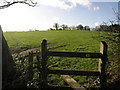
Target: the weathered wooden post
(44, 63)
(102, 64)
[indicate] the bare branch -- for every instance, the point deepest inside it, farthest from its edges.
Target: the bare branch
(6, 4)
(117, 15)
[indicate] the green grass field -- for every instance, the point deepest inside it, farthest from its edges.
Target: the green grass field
(71, 40)
(76, 41)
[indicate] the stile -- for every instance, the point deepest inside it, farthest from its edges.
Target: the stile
(101, 65)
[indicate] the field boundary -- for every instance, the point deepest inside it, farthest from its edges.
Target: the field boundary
(101, 66)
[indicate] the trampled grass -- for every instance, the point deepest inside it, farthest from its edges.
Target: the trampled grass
(76, 41)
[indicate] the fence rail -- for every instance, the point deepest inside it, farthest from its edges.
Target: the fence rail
(74, 72)
(75, 54)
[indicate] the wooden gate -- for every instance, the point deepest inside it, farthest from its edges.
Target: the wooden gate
(102, 55)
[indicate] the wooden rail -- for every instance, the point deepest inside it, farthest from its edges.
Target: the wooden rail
(101, 67)
(74, 54)
(70, 81)
(74, 72)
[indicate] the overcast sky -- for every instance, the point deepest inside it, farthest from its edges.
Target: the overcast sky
(20, 17)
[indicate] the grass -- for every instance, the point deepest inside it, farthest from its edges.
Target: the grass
(72, 40)
(76, 41)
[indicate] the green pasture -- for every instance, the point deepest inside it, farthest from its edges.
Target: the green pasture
(67, 40)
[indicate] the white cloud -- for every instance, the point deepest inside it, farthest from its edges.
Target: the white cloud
(96, 8)
(85, 3)
(97, 24)
(55, 3)
(65, 4)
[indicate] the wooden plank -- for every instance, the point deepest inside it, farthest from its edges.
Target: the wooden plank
(70, 81)
(74, 72)
(75, 54)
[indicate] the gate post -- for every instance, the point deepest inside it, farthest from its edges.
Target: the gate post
(102, 64)
(44, 64)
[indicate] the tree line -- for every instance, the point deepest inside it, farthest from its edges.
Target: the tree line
(109, 28)
(56, 26)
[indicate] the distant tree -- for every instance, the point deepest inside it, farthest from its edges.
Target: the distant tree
(66, 27)
(63, 26)
(110, 28)
(97, 28)
(69, 28)
(60, 28)
(86, 28)
(7, 3)
(79, 27)
(103, 28)
(51, 29)
(56, 26)
(73, 28)
(115, 28)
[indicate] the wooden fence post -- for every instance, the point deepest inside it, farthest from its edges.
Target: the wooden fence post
(44, 63)
(102, 64)
(30, 67)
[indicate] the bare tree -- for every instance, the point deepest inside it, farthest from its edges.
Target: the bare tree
(63, 26)
(56, 26)
(7, 3)
(117, 13)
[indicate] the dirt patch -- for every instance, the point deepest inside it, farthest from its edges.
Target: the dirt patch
(38, 49)
(25, 52)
